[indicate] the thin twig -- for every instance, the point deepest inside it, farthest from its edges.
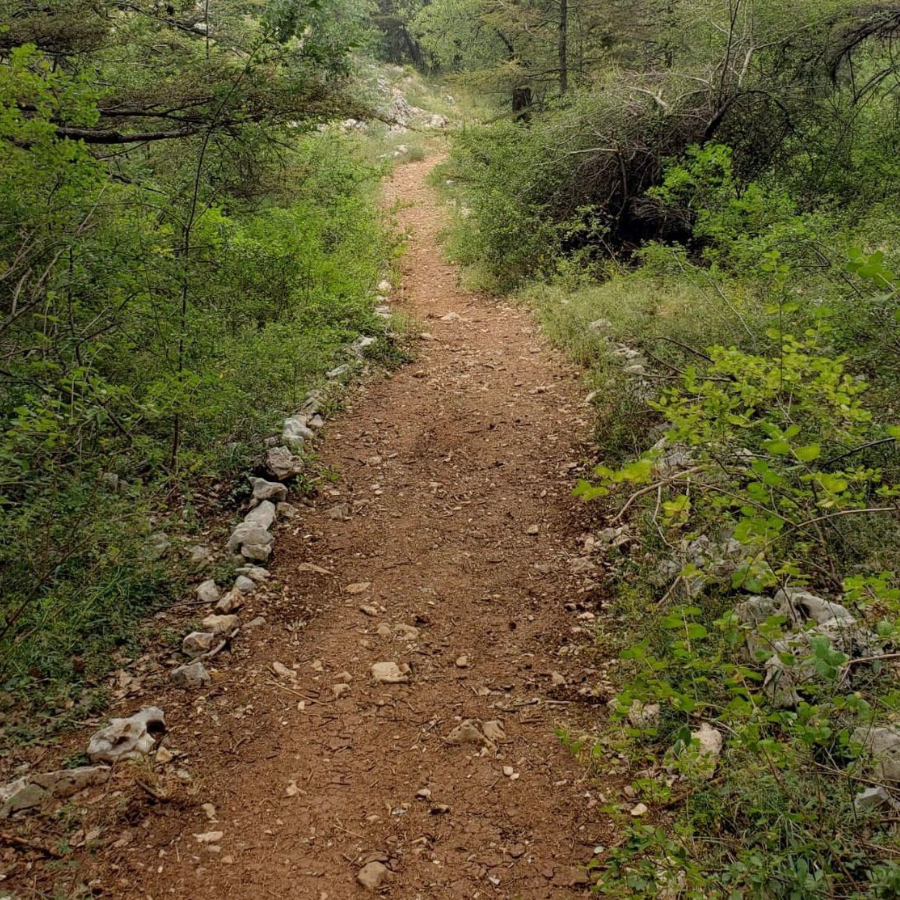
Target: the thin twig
(652, 487)
(685, 347)
(868, 659)
(23, 843)
(859, 449)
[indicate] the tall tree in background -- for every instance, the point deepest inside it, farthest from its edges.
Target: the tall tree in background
(563, 46)
(524, 47)
(400, 44)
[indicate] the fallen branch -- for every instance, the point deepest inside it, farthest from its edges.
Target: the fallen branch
(220, 647)
(152, 791)
(877, 443)
(686, 347)
(10, 840)
(868, 659)
(284, 687)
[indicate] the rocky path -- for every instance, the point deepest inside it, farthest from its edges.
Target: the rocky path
(446, 537)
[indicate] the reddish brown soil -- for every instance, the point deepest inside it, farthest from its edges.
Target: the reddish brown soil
(446, 465)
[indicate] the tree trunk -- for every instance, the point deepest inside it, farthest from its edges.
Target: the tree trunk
(521, 103)
(414, 51)
(563, 48)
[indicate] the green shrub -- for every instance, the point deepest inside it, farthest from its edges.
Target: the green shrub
(134, 384)
(773, 450)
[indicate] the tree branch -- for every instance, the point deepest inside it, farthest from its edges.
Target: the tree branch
(91, 136)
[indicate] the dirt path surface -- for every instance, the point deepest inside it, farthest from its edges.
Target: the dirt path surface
(456, 473)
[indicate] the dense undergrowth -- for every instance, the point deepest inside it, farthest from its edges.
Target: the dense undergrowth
(737, 314)
(164, 303)
(275, 293)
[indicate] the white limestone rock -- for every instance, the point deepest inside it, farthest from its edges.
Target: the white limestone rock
(268, 490)
(129, 738)
(389, 673)
(219, 625)
(262, 516)
(252, 541)
(199, 642)
(295, 432)
(208, 592)
(193, 676)
(282, 463)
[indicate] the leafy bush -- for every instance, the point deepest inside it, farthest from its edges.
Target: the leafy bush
(512, 238)
(767, 453)
(136, 372)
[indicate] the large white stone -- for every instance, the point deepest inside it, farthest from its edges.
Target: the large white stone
(208, 592)
(128, 738)
(193, 675)
(219, 625)
(261, 516)
(199, 642)
(249, 534)
(388, 673)
(268, 490)
(882, 744)
(282, 463)
(295, 432)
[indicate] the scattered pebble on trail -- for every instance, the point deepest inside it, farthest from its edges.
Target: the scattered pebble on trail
(423, 597)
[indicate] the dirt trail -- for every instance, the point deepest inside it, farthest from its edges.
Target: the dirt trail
(447, 465)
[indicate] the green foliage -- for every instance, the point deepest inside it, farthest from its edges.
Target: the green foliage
(737, 223)
(662, 307)
(784, 431)
(274, 295)
(776, 449)
(523, 219)
(164, 303)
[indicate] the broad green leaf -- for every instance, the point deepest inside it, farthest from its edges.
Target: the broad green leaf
(832, 483)
(638, 471)
(778, 447)
(808, 453)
